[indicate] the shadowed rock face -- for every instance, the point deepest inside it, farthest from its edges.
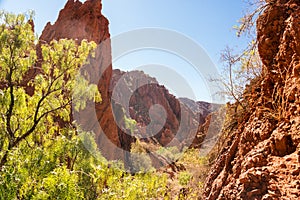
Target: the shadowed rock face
(262, 156)
(182, 115)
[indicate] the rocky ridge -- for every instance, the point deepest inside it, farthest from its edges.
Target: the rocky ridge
(181, 113)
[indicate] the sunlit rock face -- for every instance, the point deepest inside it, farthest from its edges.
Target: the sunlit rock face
(262, 157)
(80, 21)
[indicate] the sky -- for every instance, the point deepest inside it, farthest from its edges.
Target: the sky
(207, 22)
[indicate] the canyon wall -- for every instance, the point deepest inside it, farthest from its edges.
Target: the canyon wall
(183, 116)
(262, 157)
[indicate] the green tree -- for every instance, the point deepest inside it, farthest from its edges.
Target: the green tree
(32, 118)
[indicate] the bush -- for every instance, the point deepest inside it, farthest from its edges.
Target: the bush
(184, 178)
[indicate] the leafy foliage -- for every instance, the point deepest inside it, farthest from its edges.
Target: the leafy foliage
(140, 160)
(170, 153)
(63, 168)
(24, 115)
(184, 178)
(130, 124)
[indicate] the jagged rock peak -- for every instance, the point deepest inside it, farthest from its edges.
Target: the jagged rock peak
(79, 20)
(96, 5)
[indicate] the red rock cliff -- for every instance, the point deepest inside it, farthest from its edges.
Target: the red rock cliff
(84, 21)
(262, 156)
(182, 112)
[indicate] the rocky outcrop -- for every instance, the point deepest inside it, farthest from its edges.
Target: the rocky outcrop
(177, 127)
(80, 21)
(262, 157)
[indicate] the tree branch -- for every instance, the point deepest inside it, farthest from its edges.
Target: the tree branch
(25, 135)
(12, 99)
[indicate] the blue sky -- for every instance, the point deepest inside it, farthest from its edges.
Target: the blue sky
(207, 22)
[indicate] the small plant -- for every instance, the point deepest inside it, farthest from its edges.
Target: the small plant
(130, 124)
(140, 160)
(170, 153)
(192, 156)
(184, 178)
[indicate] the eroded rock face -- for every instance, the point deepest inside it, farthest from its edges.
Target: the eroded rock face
(178, 127)
(262, 156)
(80, 21)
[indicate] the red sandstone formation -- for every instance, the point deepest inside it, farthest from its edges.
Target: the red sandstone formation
(184, 113)
(84, 21)
(262, 156)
